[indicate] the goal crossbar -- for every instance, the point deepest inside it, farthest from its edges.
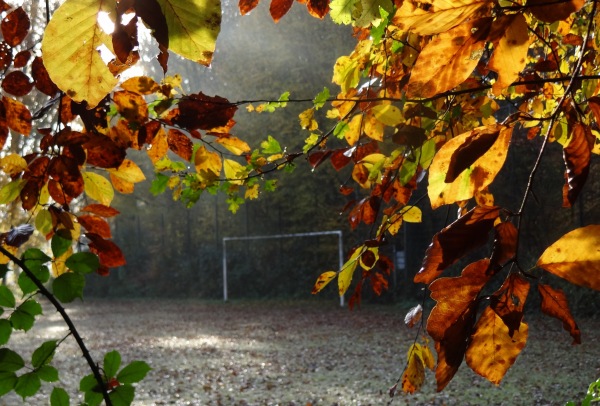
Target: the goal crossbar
(276, 236)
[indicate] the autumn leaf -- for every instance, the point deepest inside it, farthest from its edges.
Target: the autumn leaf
(15, 26)
(95, 224)
(98, 188)
(510, 51)
(180, 144)
(72, 37)
(388, 114)
(143, 85)
(551, 12)
(342, 10)
(279, 8)
(448, 60)
(509, 301)
(440, 16)
(413, 316)
(345, 274)
(108, 252)
(505, 245)
(207, 161)
(481, 150)
(575, 257)
(246, 6)
(492, 350)
(234, 145)
(419, 357)
(323, 280)
(453, 242)
(577, 155)
(554, 304)
(234, 171)
(193, 26)
(18, 116)
(128, 171)
(159, 146)
(101, 210)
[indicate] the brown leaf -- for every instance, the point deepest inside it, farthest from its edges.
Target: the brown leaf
(554, 304)
(95, 224)
(477, 143)
(18, 116)
(508, 301)
(247, 6)
(153, 16)
(22, 58)
(41, 79)
(100, 210)
(65, 171)
(6, 56)
(180, 144)
(108, 252)
(318, 8)
(575, 257)
(103, 152)
(413, 316)
(17, 83)
(550, 12)
(201, 112)
(577, 155)
(492, 350)
(505, 245)
(279, 8)
(15, 26)
(453, 242)
(365, 211)
(448, 59)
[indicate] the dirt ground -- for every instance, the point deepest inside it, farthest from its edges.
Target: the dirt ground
(279, 353)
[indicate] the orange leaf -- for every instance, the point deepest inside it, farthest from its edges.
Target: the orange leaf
(453, 242)
(575, 257)
(208, 164)
(247, 6)
(577, 155)
(141, 85)
(180, 144)
(101, 210)
(448, 59)
(508, 301)
(108, 252)
(492, 350)
(414, 373)
(95, 224)
(472, 147)
(279, 8)
(18, 116)
(554, 303)
(131, 106)
(550, 12)
(122, 185)
(505, 245)
(510, 51)
(159, 146)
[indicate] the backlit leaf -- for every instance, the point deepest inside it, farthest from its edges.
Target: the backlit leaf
(13, 164)
(575, 257)
(414, 373)
(347, 271)
(95, 224)
(323, 280)
(17, 83)
(279, 8)
(159, 146)
(505, 244)
(108, 252)
(551, 12)
(510, 53)
(11, 190)
(98, 188)
(388, 114)
(101, 210)
(440, 16)
(448, 59)
(492, 350)
(247, 6)
(554, 304)
(202, 112)
(18, 116)
(72, 37)
(133, 372)
(234, 171)
(131, 106)
(15, 26)
(509, 301)
(478, 175)
(143, 85)
(577, 155)
(234, 145)
(453, 242)
(371, 11)
(207, 161)
(342, 10)
(412, 214)
(129, 171)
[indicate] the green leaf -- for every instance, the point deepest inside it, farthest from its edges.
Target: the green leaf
(342, 10)
(83, 262)
(112, 362)
(60, 245)
(27, 285)
(5, 331)
(43, 354)
(7, 382)
(59, 397)
(159, 184)
(28, 384)
(3, 270)
(134, 372)
(48, 373)
(321, 98)
(10, 361)
(7, 298)
(24, 315)
(371, 11)
(68, 287)
(122, 395)
(11, 190)
(89, 386)
(270, 146)
(43, 221)
(34, 259)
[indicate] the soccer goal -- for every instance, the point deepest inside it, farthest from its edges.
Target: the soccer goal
(337, 233)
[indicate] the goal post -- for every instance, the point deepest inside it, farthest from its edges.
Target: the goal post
(280, 236)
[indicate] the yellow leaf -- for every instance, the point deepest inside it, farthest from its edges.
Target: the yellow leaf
(510, 54)
(374, 128)
(234, 145)
(58, 264)
(388, 114)
(394, 223)
(3, 258)
(13, 164)
(122, 185)
(441, 15)
(128, 171)
(352, 135)
(492, 350)
(575, 257)
(207, 161)
(70, 46)
(323, 280)
(143, 85)
(193, 27)
(414, 374)
(412, 214)
(252, 192)
(234, 171)
(476, 177)
(43, 222)
(307, 120)
(449, 59)
(347, 271)
(98, 188)
(346, 73)
(159, 146)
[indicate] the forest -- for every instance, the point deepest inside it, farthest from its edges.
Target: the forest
(148, 146)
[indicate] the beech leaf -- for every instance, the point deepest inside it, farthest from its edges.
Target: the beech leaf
(508, 301)
(554, 304)
(323, 280)
(577, 155)
(575, 257)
